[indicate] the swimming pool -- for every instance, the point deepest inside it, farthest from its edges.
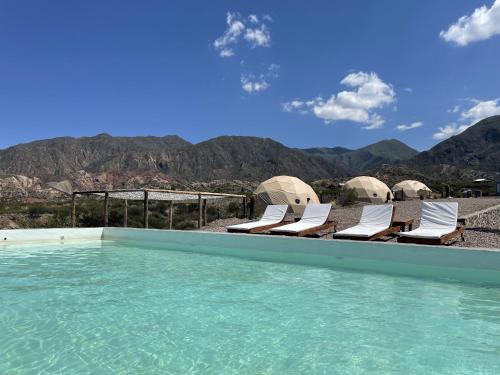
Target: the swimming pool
(108, 302)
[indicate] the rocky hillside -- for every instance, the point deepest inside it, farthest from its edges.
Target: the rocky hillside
(59, 157)
(244, 158)
(104, 161)
(477, 148)
(388, 151)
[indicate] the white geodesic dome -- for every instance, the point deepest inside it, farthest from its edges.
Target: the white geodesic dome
(369, 189)
(412, 189)
(285, 190)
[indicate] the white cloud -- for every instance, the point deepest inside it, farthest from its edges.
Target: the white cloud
(226, 52)
(358, 105)
(272, 70)
(258, 35)
(293, 105)
(479, 111)
(448, 131)
(408, 89)
(251, 84)
(482, 24)
(230, 37)
(267, 17)
(455, 109)
(376, 122)
(253, 18)
(413, 125)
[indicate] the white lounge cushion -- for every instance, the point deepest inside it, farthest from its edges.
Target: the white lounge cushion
(427, 233)
(314, 215)
(438, 219)
(374, 219)
(274, 214)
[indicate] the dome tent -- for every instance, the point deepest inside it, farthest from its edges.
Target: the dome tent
(285, 190)
(411, 189)
(369, 189)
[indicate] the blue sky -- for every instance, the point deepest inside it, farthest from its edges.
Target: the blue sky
(315, 73)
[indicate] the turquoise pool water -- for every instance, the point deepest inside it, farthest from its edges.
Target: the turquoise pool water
(108, 308)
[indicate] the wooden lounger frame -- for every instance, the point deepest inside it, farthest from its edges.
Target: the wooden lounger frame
(434, 241)
(307, 232)
(391, 230)
(263, 228)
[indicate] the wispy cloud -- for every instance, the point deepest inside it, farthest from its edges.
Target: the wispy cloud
(358, 105)
(408, 89)
(413, 125)
(479, 111)
(251, 83)
(252, 29)
(482, 24)
(253, 18)
(258, 37)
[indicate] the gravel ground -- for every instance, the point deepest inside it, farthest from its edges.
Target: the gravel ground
(349, 216)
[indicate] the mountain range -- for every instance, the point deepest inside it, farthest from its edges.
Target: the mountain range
(121, 161)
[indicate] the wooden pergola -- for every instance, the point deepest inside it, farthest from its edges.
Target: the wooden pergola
(146, 195)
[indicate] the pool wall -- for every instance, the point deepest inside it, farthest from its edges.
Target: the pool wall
(49, 235)
(476, 265)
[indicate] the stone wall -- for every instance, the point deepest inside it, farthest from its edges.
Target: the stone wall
(488, 219)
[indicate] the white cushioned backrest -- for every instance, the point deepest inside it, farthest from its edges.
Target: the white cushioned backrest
(439, 214)
(275, 212)
(316, 213)
(377, 215)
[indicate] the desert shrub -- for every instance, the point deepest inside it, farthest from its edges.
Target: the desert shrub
(185, 224)
(347, 197)
(234, 209)
(35, 211)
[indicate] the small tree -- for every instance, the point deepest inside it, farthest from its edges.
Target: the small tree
(347, 197)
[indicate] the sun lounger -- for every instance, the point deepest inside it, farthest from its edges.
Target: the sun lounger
(437, 226)
(376, 221)
(314, 219)
(272, 217)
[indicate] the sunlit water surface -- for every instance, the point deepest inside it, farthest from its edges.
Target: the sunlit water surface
(115, 309)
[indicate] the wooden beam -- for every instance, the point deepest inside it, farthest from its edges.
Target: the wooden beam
(204, 212)
(194, 193)
(244, 207)
(200, 213)
(170, 214)
(106, 208)
(146, 209)
(73, 210)
(125, 213)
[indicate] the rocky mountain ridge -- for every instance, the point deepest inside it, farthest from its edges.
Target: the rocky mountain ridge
(109, 162)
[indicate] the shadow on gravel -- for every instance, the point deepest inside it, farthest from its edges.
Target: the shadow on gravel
(485, 230)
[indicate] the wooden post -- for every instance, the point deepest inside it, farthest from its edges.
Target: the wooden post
(146, 209)
(244, 207)
(125, 213)
(200, 211)
(73, 210)
(170, 214)
(252, 207)
(106, 208)
(204, 212)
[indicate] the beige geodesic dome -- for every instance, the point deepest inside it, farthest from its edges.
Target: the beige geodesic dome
(411, 189)
(285, 190)
(369, 189)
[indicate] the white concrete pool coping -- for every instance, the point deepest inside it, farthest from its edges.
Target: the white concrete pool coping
(461, 263)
